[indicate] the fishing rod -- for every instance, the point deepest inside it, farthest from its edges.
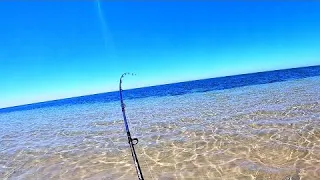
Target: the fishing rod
(131, 141)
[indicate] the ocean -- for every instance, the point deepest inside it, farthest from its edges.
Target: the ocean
(254, 126)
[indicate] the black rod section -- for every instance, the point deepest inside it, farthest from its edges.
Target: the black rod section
(131, 141)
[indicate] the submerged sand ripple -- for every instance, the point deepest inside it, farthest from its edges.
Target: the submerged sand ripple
(269, 131)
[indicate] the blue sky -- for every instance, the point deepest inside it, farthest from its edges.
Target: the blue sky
(51, 50)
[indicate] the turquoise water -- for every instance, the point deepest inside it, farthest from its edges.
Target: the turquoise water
(257, 131)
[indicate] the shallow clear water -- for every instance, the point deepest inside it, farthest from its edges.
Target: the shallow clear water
(268, 131)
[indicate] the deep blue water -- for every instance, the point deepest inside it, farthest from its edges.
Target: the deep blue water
(183, 87)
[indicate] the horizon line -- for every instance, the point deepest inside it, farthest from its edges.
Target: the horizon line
(113, 91)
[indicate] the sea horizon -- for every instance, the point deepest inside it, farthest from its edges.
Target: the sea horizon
(304, 68)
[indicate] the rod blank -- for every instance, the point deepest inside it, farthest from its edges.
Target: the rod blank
(131, 141)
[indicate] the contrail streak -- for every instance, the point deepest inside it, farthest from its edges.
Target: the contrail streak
(108, 41)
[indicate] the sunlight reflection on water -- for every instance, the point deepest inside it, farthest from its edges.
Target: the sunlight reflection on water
(269, 131)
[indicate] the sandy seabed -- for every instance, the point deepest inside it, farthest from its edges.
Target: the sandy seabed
(269, 131)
